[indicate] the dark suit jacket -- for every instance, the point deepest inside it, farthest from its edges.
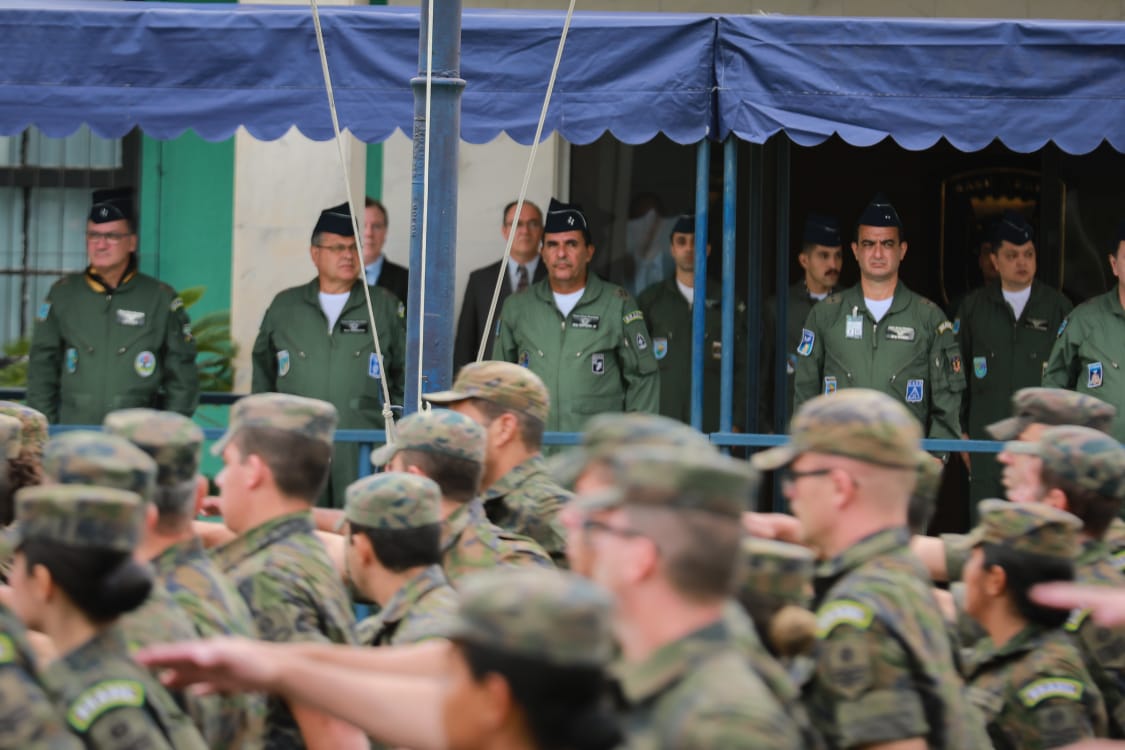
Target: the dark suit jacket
(474, 311)
(395, 279)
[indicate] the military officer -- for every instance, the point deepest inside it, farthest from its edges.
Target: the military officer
(1090, 351)
(883, 336)
(1004, 330)
(821, 259)
(111, 337)
(586, 338)
(667, 309)
(316, 341)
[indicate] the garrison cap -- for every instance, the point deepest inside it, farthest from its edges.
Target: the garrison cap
(1052, 406)
(505, 384)
(96, 458)
(879, 213)
(685, 224)
(1013, 228)
(565, 217)
(393, 500)
(1026, 527)
(115, 204)
(337, 220)
(777, 569)
(10, 437)
(438, 431)
(677, 478)
(33, 426)
(79, 515)
(173, 441)
(542, 614)
(308, 417)
(856, 423)
(605, 433)
(1087, 458)
(822, 230)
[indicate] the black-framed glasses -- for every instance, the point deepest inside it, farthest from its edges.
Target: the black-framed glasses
(789, 476)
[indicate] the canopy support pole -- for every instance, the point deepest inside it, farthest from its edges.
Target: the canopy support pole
(754, 301)
(699, 306)
(781, 345)
(726, 364)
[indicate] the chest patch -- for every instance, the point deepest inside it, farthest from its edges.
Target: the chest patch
(900, 333)
(807, 339)
(830, 385)
(980, 367)
(72, 360)
(853, 327)
(353, 325)
(525, 359)
(660, 347)
(102, 698)
(843, 612)
(915, 391)
(44, 311)
(134, 318)
(283, 363)
(373, 369)
(145, 364)
(1051, 687)
(588, 322)
(597, 363)
(1037, 324)
(1094, 375)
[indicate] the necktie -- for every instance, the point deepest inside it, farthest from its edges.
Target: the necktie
(521, 277)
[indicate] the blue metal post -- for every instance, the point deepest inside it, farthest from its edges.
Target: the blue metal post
(780, 395)
(754, 293)
(445, 133)
(699, 309)
(726, 365)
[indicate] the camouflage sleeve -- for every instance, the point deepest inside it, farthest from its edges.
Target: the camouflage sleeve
(732, 729)
(123, 726)
(263, 358)
(27, 717)
(956, 555)
(810, 357)
(1048, 712)
(181, 375)
(281, 613)
(947, 375)
(44, 362)
(638, 364)
(1062, 364)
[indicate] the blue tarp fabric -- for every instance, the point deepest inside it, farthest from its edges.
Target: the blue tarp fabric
(167, 67)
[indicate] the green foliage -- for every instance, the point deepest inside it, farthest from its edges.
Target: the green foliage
(13, 365)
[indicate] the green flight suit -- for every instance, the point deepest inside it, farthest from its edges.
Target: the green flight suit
(668, 316)
(799, 303)
(1090, 352)
(294, 353)
(1001, 355)
(911, 355)
(94, 351)
(597, 359)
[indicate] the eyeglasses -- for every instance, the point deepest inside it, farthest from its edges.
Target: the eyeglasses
(789, 476)
(533, 224)
(339, 248)
(111, 237)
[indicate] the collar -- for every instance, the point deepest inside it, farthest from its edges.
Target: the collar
(532, 468)
(902, 297)
(513, 270)
(1113, 301)
(594, 287)
(101, 286)
(373, 270)
(894, 539)
(801, 289)
(471, 513)
(641, 681)
(1025, 641)
(311, 293)
(1092, 551)
(411, 592)
(178, 555)
(58, 676)
(265, 535)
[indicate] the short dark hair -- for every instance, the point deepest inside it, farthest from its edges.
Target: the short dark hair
(1025, 570)
(458, 478)
(175, 505)
(1096, 511)
(368, 202)
(531, 428)
(104, 584)
(299, 464)
(402, 549)
(566, 708)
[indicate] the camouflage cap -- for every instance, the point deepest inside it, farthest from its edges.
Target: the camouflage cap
(310, 417)
(95, 458)
(543, 614)
(10, 437)
(856, 423)
(1052, 406)
(605, 433)
(173, 441)
(1085, 457)
(503, 383)
(438, 431)
(677, 478)
(777, 569)
(1026, 527)
(33, 425)
(393, 500)
(79, 515)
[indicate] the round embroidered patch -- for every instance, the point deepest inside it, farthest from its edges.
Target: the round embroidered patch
(145, 364)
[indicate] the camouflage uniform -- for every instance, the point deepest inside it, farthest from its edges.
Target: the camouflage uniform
(187, 573)
(33, 427)
(1033, 690)
(420, 608)
(469, 541)
(280, 567)
(881, 676)
(107, 699)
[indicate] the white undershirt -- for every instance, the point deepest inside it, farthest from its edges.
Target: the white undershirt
(333, 305)
(878, 307)
(818, 297)
(567, 302)
(687, 291)
(1017, 300)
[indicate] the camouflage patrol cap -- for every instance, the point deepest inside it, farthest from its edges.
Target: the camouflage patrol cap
(33, 426)
(856, 423)
(678, 478)
(777, 569)
(1052, 406)
(96, 458)
(1026, 527)
(10, 437)
(503, 383)
(309, 417)
(173, 441)
(1087, 458)
(606, 433)
(438, 431)
(79, 515)
(393, 500)
(543, 614)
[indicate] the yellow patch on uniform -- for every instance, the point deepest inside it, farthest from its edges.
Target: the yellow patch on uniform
(1051, 687)
(1077, 617)
(7, 650)
(946, 326)
(101, 698)
(633, 317)
(843, 612)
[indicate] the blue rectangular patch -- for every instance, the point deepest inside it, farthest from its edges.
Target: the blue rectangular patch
(914, 391)
(806, 345)
(829, 385)
(373, 370)
(1094, 375)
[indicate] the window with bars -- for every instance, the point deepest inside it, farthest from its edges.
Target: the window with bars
(45, 186)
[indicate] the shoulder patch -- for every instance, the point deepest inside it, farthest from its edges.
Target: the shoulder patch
(1062, 327)
(1051, 687)
(926, 301)
(633, 317)
(7, 650)
(1077, 617)
(44, 311)
(843, 612)
(177, 303)
(102, 698)
(945, 326)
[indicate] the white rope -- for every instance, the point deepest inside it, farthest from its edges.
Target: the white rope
(425, 228)
(388, 415)
(501, 278)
